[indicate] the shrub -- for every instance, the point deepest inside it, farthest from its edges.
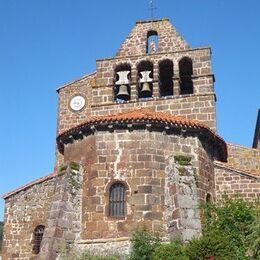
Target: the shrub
(174, 250)
(210, 244)
(143, 244)
(231, 217)
(253, 239)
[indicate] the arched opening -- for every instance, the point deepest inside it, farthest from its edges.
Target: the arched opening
(122, 78)
(152, 42)
(37, 238)
(165, 78)
(117, 196)
(145, 79)
(186, 71)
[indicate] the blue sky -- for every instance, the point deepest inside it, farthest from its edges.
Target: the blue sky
(46, 43)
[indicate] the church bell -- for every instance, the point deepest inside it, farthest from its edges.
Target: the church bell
(123, 92)
(146, 88)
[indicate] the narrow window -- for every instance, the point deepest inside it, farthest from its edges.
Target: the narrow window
(152, 42)
(165, 78)
(37, 238)
(186, 71)
(208, 198)
(145, 79)
(117, 200)
(122, 82)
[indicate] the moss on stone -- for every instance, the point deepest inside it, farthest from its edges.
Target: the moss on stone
(182, 160)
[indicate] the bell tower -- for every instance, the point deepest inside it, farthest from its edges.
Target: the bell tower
(154, 68)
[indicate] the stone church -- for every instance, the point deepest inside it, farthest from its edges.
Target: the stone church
(137, 145)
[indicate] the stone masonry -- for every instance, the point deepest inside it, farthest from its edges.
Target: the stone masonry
(162, 150)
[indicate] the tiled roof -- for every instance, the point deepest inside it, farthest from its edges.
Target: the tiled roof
(30, 184)
(145, 115)
(239, 168)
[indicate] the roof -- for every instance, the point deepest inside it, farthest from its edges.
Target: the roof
(142, 116)
(256, 141)
(28, 185)
(75, 80)
(240, 169)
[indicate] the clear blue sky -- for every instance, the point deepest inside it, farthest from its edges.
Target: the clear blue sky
(46, 43)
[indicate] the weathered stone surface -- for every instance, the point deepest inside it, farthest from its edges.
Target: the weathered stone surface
(161, 193)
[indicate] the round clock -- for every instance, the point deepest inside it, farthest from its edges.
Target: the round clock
(77, 103)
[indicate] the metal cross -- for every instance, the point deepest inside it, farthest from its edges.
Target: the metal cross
(152, 8)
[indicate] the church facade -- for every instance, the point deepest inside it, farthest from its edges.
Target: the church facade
(137, 145)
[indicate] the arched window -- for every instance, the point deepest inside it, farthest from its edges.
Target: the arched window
(122, 80)
(37, 238)
(145, 79)
(186, 71)
(152, 42)
(117, 200)
(165, 78)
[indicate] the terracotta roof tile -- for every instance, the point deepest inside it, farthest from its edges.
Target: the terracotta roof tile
(30, 184)
(145, 114)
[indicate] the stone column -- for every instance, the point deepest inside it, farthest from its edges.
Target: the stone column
(182, 214)
(63, 224)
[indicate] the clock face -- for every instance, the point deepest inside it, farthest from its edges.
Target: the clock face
(77, 103)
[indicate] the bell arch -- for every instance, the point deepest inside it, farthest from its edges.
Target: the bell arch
(152, 42)
(122, 79)
(145, 79)
(186, 72)
(166, 78)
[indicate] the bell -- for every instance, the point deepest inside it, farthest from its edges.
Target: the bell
(146, 88)
(122, 93)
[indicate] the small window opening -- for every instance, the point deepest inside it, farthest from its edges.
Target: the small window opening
(208, 198)
(117, 200)
(145, 79)
(186, 71)
(165, 78)
(37, 238)
(152, 42)
(122, 80)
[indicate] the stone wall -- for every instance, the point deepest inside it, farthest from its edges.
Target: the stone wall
(236, 183)
(137, 159)
(205, 176)
(63, 224)
(66, 117)
(245, 157)
(24, 211)
(136, 41)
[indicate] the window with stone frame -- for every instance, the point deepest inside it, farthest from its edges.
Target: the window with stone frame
(117, 207)
(186, 72)
(37, 238)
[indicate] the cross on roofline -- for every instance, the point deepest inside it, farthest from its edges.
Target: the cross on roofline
(152, 8)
